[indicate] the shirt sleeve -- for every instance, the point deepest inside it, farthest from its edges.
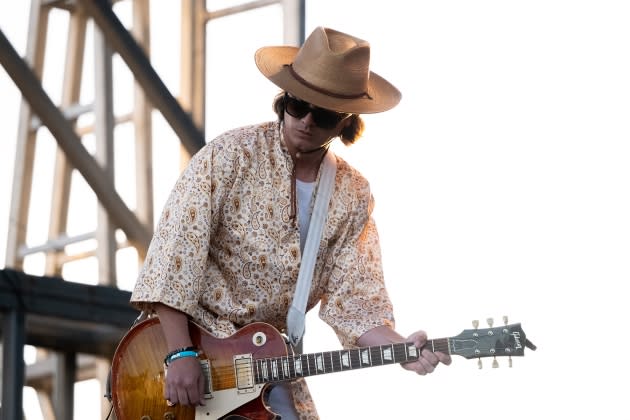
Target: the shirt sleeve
(356, 299)
(174, 268)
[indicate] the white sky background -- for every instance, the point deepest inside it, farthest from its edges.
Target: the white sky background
(502, 186)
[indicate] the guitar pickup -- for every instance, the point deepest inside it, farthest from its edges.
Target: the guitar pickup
(244, 373)
(205, 368)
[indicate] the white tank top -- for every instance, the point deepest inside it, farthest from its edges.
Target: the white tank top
(304, 196)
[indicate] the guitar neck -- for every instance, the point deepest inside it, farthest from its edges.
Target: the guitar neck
(287, 368)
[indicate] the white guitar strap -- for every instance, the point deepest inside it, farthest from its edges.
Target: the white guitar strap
(297, 311)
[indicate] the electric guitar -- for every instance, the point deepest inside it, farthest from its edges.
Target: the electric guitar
(240, 367)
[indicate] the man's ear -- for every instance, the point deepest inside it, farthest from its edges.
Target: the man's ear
(346, 123)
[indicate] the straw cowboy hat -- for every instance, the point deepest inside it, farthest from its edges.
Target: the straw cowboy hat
(331, 71)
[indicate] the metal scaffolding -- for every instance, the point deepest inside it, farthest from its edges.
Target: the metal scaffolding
(62, 318)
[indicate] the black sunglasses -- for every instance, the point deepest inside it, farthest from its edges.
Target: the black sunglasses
(323, 118)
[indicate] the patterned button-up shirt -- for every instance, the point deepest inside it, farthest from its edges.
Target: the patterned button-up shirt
(226, 250)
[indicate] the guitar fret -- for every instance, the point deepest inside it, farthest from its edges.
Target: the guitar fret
(351, 360)
(278, 367)
(297, 366)
(442, 345)
(256, 371)
(325, 362)
(269, 366)
(266, 371)
(406, 351)
(335, 357)
(366, 359)
(400, 353)
(355, 359)
(291, 363)
(312, 369)
(412, 351)
(319, 362)
(376, 355)
(306, 363)
(344, 360)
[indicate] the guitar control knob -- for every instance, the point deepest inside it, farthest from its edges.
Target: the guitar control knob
(259, 339)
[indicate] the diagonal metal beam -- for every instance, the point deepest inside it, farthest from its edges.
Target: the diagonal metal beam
(70, 143)
(134, 56)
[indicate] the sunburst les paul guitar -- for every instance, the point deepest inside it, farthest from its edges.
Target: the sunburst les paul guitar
(238, 368)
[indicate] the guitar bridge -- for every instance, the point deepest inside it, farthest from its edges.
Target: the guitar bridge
(244, 374)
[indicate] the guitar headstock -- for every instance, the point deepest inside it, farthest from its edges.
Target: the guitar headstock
(506, 340)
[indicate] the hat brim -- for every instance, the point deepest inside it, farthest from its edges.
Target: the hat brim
(273, 63)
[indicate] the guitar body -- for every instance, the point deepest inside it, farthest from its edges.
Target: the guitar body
(138, 373)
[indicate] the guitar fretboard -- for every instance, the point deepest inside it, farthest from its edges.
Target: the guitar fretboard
(292, 367)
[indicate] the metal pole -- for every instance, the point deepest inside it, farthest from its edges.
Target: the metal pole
(12, 365)
(137, 61)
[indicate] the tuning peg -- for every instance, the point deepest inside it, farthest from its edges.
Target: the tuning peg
(495, 363)
(475, 323)
(505, 319)
(490, 322)
(479, 364)
(510, 361)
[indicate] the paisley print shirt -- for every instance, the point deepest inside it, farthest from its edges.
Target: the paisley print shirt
(226, 250)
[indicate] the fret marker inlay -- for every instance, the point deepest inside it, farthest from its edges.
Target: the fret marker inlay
(345, 359)
(413, 351)
(365, 357)
(320, 363)
(264, 366)
(285, 367)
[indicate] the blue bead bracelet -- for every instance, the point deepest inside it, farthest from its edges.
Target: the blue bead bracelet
(179, 354)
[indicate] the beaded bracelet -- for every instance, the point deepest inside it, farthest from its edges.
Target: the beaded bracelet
(179, 353)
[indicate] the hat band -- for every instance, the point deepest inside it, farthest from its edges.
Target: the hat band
(325, 91)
